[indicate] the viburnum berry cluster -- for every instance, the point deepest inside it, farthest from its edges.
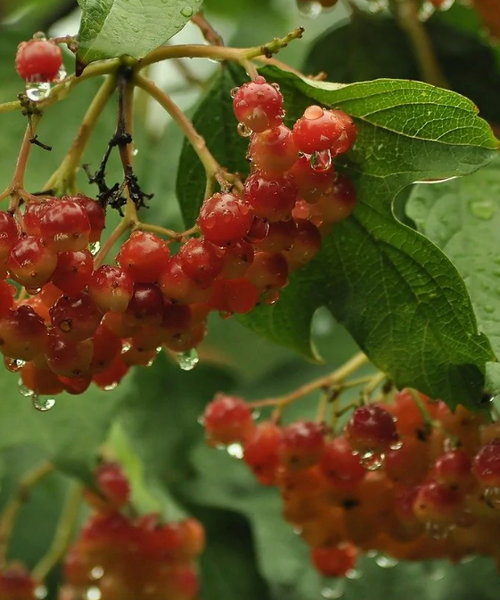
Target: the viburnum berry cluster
(405, 477)
(75, 321)
(129, 557)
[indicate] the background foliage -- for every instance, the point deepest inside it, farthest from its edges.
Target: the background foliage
(150, 421)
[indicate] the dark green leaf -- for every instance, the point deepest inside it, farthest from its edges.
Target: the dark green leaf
(111, 28)
(353, 52)
(400, 299)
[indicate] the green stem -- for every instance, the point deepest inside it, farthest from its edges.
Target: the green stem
(219, 53)
(64, 178)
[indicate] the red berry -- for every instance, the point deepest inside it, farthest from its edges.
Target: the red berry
(32, 215)
(453, 469)
(280, 236)
(311, 182)
(95, 214)
(111, 289)
(145, 306)
(437, 504)
(371, 428)
(41, 381)
(334, 561)
(234, 296)
(73, 271)
(30, 262)
(107, 347)
(143, 256)
(268, 271)
(301, 444)
(38, 60)
(16, 583)
(65, 225)
(319, 129)
(258, 105)
(176, 285)
(112, 375)
(272, 198)
(273, 151)
(227, 419)
(486, 466)
(9, 233)
(22, 334)
(238, 256)
(225, 218)
(336, 204)
(75, 317)
(67, 357)
(260, 452)
(202, 261)
(306, 245)
(113, 484)
(340, 466)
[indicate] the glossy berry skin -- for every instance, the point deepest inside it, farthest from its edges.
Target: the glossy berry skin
(272, 198)
(486, 464)
(22, 334)
(437, 503)
(95, 214)
(143, 256)
(319, 129)
(113, 485)
(65, 226)
(30, 262)
(227, 419)
(75, 317)
(340, 466)
(73, 271)
(145, 306)
(301, 444)
(38, 60)
(111, 289)
(273, 151)
(67, 357)
(202, 261)
(175, 284)
(312, 183)
(453, 469)
(9, 233)
(260, 452)
(225, 218)
(336, 204)
(334, 561)
(258, 105)
(371, 428)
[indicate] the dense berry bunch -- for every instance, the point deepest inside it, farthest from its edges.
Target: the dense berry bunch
(131, 558)
(75, 322)
(407, 478)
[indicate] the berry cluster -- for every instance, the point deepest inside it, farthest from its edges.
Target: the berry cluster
(75, 322)
(406, 478)
(117, 557)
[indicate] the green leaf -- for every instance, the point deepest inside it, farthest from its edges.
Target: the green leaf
(112, 28)
(353, 52)
(463, 218)
(399, 297)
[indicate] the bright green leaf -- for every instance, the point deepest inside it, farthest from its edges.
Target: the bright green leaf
(111, 28)
(398, 296)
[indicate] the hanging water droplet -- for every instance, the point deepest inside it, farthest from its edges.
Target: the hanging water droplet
(97, 572)
(333, 590)
(321, 161)
(93, 593)
(13, 365)
(61, 74)
(386, 562)
(372, 461)
(235, 450)
(94, 248)
(396, 445)
(126, 347)
(243, 130)
(492, 497)
(437, 531)
(354, 574)
(482, 209)
(37, 91)
(33, 291)
(23, 390)
(234, 91)
(42, 404)
(135, 152)
(187, 12)
(111, 386)
(188, 360)
(40, 592)
(309, 9)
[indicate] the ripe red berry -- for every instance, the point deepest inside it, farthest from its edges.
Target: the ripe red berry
(340, 465)
(311, 182)
(371, 428)
(112, 375)
(486, 465)
(272, 198)
(202, 261)
(38, 60)
(41, 381)
(260, 452)
(268, 271)
(337, 203)
(273, 151)
(73, 271)
(145, 306)
(22, 334)
(453, 469)
(306, 244)
(319, 129)
(437, 504)
(176, 285)
(65, 225)
(301, 444)
(143, 256)
(111, 289)
(113, 484)
(30, 262)
(238, 256)
(75, 317)
(9, 233)
(334, 561)
(234, 296)
(258, 105)
(95, 214)
(225, 218)
(67, 357)
(227, 419)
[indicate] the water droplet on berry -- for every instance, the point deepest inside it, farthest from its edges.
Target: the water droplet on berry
(386, 562)
(187, 12)
(308, 9)
(482, 209)
(94, 248)
(14, 364)
(97, 572)
(61, 74)
(235, 450)
(321, 161)
(110, 387)
(23, 390)
(334, 591)
(234, 91)
(372, 461)
(40, 592)
(426, 10)
(37, 91)
(42, 404)
(126, 347)
(188, 360)
(396, 445)
(33, 291)
(243, 130)
(492, 497)
(437, 531)
(93, 593)
(354, 574)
